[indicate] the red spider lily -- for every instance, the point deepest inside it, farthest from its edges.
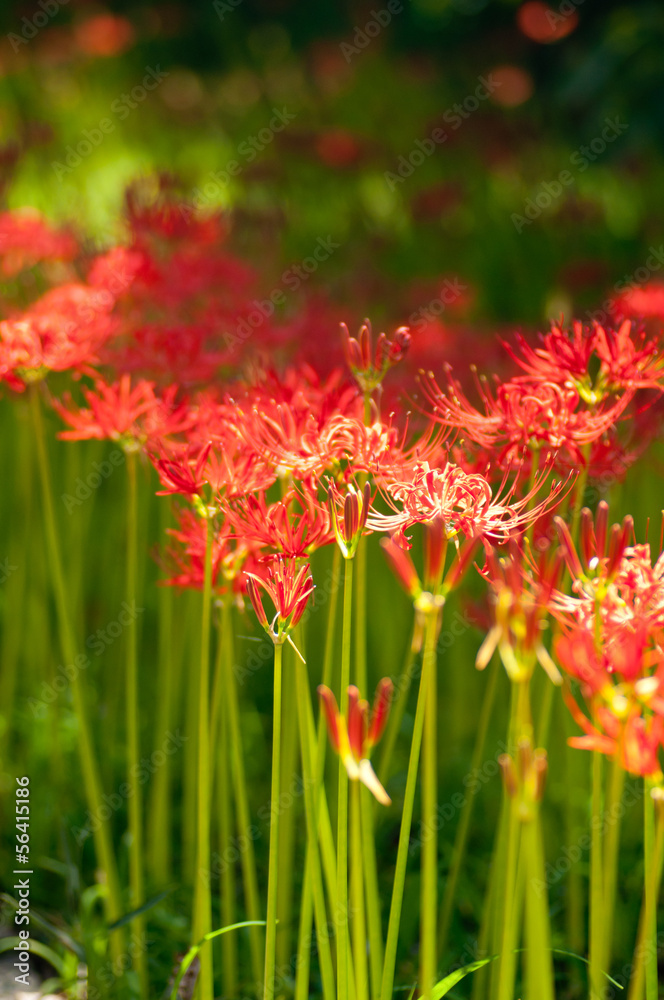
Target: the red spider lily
(601, 550)
(466, 503)
(367, 366)
(183, 474)
(348, 515)
(63, 330)
(219, 462)
(626, 699)
(27, 238)
(435, 549)
(524, 414)
(522, 594)
(646, 301)
(118, 412)
(354, 739)
(295, 526)
(185, 560)
(289, 588)
(567, 358)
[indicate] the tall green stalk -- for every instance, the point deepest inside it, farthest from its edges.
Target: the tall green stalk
(387, 984)
(373, 913)
(651, 891)
(359, 926)
(610, 859)
(91, 780)
(272, 884)
(461, 836)
(539, 966)
(289, 821)
(313, 856)
(645, 953)
(221, 756)
(135, 801)
(429, 875)
(520, 729)
(307, 903)
(248, 856)
(159, 821)
(202, 921)
(342, 808)
(596, 881)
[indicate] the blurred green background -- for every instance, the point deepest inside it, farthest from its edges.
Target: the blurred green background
(360, 101)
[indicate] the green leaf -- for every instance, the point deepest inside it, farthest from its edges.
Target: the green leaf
(571, 954)
(37, 948)
(194, 950)
(128, 917)
(442, 988)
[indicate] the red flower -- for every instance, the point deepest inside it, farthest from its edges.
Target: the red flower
(118, 412)
(26, 238)
(367, 366)
(288, 587)
(354, 738)
(63, 330)
(626, 361)
(295, 526)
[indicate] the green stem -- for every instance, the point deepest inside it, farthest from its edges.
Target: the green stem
(160, 854)
(135, 801)
(202, 922)
(651, 891)
(342, 810)
(539, 967)
(289, 819)
(642, 956)
(313, 856)
(510, 934)
(520, 729)
(610, 859)
(374, 919)
(397, 710)
(91, 781)
(220, 747)
(429, 876)
(461, 837)
(596, 881)
(387, 985)
(248, 856)
(357, 896)
(271, 929)
(307, 903)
